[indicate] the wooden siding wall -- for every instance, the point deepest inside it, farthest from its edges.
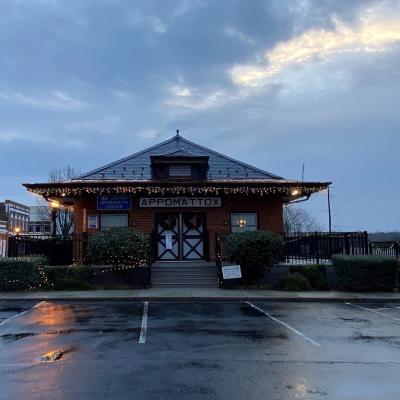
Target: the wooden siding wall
(269, 209)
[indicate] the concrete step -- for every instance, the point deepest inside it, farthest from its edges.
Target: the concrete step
(184, 279)
(185, 285)
(184, 274)
(183, 264)
(184, 271)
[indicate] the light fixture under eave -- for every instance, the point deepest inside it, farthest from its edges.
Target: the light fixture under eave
(55, 204)
(295, 192)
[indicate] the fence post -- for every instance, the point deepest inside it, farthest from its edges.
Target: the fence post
(218, 258)
(366, 247)
(346, 244)
(397, 249)
(316, 242)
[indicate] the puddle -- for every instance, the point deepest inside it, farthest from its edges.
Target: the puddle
(11, 337)
(374, 306)
(12, 309)
(55, 355)
(353, 319)
(371, 339)
(51, 356)
(201, 365)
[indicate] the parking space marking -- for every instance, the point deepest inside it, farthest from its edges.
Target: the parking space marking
(143, 330)
(22, 313)
(294, 330)
(373, 311)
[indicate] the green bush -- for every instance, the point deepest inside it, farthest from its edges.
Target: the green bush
(21, 273)
(255, 251)
(119, 246)
(315, 274)
(294, 282)
(366, 273)
(68, 277)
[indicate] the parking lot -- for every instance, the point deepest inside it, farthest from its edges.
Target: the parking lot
(198, 350)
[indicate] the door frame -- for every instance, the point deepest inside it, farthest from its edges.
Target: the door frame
(180, 256)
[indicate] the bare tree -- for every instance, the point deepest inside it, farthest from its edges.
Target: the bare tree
(296, 219)
(64, 220)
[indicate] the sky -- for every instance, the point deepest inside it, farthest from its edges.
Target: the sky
(274, 83)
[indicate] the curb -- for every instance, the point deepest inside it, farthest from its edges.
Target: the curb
(211, 299)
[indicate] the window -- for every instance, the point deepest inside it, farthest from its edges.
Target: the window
(108, 221)
(180, 170)
(241, 222)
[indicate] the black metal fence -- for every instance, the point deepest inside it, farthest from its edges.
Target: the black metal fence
(58, 249)
(389, 249)
(318, 247)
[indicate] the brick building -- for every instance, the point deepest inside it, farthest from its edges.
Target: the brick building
(16, 216)
(40, 220)
(3, 238)
(181, 192)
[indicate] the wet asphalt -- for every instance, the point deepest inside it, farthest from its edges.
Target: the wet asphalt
(199, 350)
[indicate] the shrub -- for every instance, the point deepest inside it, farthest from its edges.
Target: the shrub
(366, 273)
(315, 274)
(294, 282)
(21, 273)
(68, 277)
(119, 246)
(254, 251)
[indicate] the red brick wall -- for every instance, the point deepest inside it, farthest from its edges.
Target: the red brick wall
(269, 209)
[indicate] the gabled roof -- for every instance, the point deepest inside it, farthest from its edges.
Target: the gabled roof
(137, 167)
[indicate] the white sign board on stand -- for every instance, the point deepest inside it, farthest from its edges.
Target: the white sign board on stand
(231, 272)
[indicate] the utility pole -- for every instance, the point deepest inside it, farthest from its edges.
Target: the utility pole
(329, 211)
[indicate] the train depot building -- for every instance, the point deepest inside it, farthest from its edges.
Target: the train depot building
(182, 193)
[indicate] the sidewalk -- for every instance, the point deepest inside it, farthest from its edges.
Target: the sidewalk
(190, 294)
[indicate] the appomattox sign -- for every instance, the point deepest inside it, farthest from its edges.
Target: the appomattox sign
(179, 202)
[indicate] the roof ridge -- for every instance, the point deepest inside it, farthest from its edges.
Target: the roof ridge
(178, 140)
(94, 171)
(231, 159)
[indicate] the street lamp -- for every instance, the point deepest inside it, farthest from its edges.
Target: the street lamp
(54, 207)
(17, 230)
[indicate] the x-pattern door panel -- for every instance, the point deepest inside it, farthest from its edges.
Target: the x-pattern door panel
(168, 224)
(192, 236)
(186, 231)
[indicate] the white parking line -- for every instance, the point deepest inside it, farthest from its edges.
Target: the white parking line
(373, 311)
(22, 313)
(294, 330)
(143, 331)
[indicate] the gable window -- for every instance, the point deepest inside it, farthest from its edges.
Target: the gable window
(241, 222)
(180, 170)
(108, 221)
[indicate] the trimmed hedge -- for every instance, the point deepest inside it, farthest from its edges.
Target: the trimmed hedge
(315, 274)
(119, 246)
(255, 251)
(294, 282)
(21, 273)
(366, 273)
(68, 277)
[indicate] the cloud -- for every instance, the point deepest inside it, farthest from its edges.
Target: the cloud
(196, 99)
(320, 45)
(106, 125)
(151, 21)
(56, 101)
(13, 136)
(236, 34)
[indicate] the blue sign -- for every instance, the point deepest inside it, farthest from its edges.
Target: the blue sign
(114, 202)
